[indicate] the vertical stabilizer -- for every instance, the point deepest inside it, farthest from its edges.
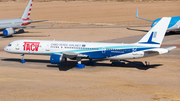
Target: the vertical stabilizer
(156, 34)
(27, 11)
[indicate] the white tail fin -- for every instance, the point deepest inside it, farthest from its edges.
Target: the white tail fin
(156, 35)
(27, 11)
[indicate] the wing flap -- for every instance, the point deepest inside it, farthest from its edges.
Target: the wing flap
(74, 55)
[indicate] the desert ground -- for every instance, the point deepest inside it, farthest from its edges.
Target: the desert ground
(39, 80)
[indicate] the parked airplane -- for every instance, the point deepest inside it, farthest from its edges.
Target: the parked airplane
(149, 45)
(8, 26)
(174, 24)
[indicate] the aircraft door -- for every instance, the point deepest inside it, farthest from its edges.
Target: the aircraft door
(47, 47)
(17, 46)
(103, 50)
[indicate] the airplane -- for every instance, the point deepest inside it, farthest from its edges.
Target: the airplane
(174, 24)
(8, 26)
(59, 51)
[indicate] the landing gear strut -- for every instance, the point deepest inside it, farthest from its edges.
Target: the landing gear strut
(91, 63)
(147, 64)
(22, 58)
(79, 65)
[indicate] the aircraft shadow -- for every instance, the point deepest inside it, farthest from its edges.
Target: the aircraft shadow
(133, 64)
(65, 66)
(27, 60)
(140, 65)
(167, 33)
(137, 29)
(172, 33)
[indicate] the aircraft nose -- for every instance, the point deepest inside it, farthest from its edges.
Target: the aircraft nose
(6, 48)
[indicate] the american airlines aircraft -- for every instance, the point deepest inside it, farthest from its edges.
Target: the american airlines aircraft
(8, 26)
(59, 51)
(174, 24)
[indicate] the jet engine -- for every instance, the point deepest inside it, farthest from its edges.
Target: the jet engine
(57, 58)
(8, 31)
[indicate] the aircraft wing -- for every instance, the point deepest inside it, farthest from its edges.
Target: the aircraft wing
(38, 21)
(142, 18)
(73, 55)
(34, 26)
(16, 27)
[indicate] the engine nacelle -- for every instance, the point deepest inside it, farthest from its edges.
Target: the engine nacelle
(56, 59)
(8, 31)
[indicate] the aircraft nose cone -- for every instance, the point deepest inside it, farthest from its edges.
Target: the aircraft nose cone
(6, 49)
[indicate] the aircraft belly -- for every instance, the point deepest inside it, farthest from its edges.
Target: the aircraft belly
(95, 54)
(128, 55)
(122, 56)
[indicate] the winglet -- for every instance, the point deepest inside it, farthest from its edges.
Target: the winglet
(54, 22)
(137, 14)
(142, 18)
(38, 25)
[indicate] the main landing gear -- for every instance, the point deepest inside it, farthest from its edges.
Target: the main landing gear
(91, 63)
(22, 58)
(117, 63)
(81, 66)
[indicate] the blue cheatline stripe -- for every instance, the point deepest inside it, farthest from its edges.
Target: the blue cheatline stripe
(108, 53)
(109, 47)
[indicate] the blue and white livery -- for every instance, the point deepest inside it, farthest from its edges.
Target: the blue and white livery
(59, 51)
(174, 24)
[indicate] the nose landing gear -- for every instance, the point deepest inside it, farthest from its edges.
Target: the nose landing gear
(22, 58)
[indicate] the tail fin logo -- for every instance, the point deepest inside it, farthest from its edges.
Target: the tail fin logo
(153, 35)
(27, 11)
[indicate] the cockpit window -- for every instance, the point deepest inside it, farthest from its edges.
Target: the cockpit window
(9, 45)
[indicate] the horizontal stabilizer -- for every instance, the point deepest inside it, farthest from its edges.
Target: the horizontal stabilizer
(170, 47)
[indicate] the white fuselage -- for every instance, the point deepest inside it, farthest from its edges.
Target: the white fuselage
(13, 23)
(91, 49)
